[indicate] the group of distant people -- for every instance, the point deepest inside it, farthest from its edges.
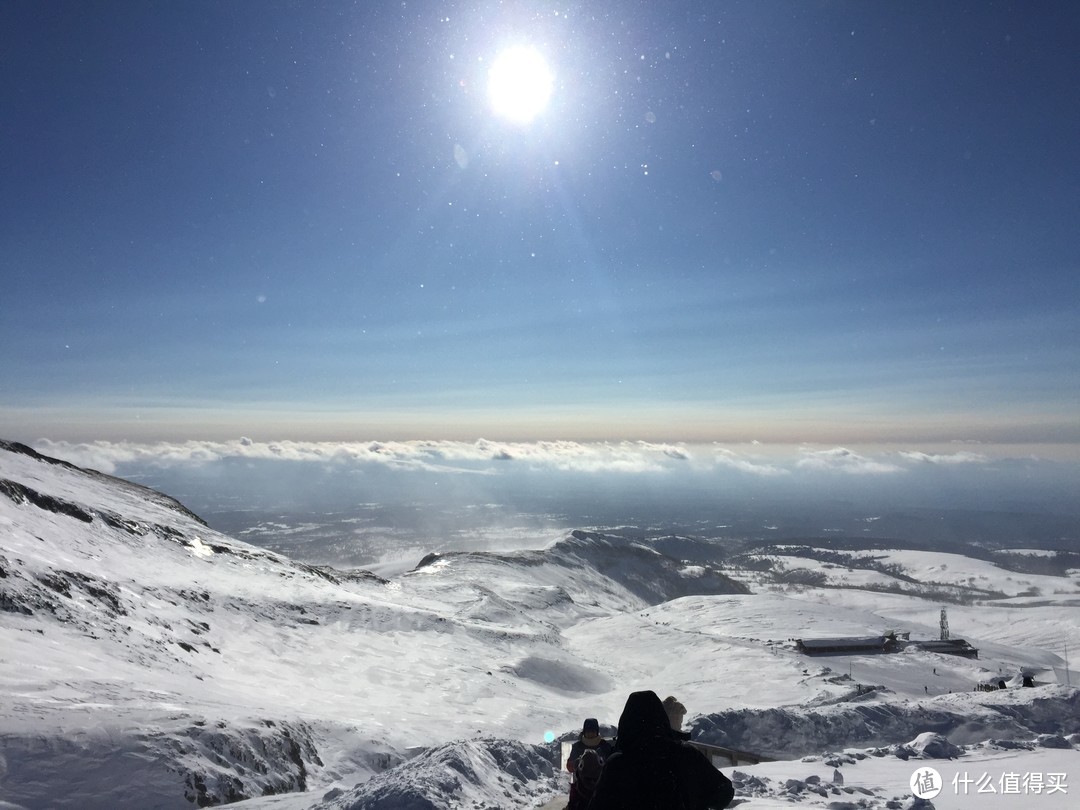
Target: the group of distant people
(991, 686)
(649, 765)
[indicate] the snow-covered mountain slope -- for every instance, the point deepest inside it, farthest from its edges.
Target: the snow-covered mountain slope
(132, 631)
(147, 661)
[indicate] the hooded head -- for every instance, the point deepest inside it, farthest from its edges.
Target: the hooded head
(675, 712)
(643, 721)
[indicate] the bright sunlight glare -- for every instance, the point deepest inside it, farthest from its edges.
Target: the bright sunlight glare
(519, 84)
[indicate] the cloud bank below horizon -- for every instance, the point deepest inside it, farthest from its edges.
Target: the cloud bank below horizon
(485, 457)
(391, 498)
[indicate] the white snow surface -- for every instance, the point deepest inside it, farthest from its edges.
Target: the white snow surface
(147, 661)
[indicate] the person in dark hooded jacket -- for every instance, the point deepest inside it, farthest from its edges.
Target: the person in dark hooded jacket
(652, 767)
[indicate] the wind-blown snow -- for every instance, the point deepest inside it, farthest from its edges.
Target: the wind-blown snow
(149, 661)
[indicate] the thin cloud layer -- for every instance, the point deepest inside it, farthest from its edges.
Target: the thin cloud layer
(963, 457)
(840, 459)
(732, 460)
(447, 493)
(489, 457)
(441, 456)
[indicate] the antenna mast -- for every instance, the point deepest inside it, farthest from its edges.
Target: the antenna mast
(944, 625)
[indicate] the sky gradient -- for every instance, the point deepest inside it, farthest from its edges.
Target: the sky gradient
(769, 221)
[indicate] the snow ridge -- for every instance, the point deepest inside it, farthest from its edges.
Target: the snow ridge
(966, 718)
(458, 774)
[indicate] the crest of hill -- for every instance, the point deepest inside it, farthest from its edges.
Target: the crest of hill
(55, 486)
(632, 573)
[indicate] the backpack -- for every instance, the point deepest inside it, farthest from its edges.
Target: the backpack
(588, 770)
(587, 775)
(653, 779)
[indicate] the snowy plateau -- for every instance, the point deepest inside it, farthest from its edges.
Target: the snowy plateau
(148, 661)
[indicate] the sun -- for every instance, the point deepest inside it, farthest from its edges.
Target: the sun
(520, 84)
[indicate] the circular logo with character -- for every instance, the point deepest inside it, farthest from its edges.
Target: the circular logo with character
(926, 783)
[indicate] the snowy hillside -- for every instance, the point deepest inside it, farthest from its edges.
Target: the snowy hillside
(151, 662)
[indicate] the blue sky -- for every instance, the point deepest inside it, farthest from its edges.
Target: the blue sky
(772, 221)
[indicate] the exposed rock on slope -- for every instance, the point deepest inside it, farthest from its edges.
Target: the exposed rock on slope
(962, 718)
(458, 774)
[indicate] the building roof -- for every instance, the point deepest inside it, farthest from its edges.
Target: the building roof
(845, 641)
